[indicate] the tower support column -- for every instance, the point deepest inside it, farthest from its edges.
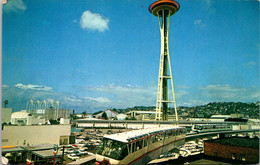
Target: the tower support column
(163, 9)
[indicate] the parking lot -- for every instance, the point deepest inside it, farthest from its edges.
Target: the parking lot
(86, 144)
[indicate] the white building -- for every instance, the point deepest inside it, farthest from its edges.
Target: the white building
(64, 121)
(219, 118)
(109, 112)
(25, 118)
(6, 115)
(142, 115)
(121, 116)
(35, 134)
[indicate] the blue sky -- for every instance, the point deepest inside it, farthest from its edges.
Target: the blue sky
(97, 54)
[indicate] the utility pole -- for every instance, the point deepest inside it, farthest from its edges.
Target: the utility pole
(5, 102)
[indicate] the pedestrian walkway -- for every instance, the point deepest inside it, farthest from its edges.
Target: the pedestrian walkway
(83, 160)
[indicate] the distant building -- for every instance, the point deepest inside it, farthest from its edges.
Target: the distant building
(64, 121)
(25, 118)
(142, 115)
(234, 148)
(35, 134)
(121, 116)
(109, 112)
(237, 115)
(219, 118)
(200, 115)
(49, 110)
(80, 115)
(32, 154)
(6, 115)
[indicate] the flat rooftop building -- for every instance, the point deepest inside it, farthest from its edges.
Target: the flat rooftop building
(19, 135)
(233, 148)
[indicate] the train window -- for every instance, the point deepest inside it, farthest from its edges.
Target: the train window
(146, 142)
(128, 148)
(133, 147)
(169, 134)
(156, 138)
(114, 149)
(164, 135)
(151, 139)
(159, 137)
(139, 145)
(242, 157)
(234, 156)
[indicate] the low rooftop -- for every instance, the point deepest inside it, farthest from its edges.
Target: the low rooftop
(237, 141)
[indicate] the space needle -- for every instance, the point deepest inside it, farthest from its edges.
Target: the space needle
(164, 9)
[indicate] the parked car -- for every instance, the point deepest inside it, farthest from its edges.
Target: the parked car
(78, 153)
(73, 157)
(83, 152)
(70, 151)
(86, 138)
(166, 155)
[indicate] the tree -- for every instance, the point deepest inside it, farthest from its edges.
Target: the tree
(84, 113)
(104, 115)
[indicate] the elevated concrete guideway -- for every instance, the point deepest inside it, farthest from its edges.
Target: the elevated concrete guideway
(190, 137)
(136, 124)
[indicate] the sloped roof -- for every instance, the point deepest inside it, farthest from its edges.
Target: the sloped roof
(19, 115)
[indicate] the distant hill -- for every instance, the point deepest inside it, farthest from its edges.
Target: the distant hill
(250, 110)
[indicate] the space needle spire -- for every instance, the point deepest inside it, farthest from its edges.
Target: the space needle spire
(164, 9)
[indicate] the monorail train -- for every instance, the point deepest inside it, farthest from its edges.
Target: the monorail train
(139, 146)
(236, 120)
(199, 128)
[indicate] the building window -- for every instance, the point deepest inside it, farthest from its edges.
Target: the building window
(65, 141)
(234, 156)
(4, 140)
(216, 154)
(242, 157)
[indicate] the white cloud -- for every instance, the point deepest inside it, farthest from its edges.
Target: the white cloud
(112, 96)
(93, 21)
(183, 87)
(18, 96)
(99, 99)
(250, 64)
(127, 96)
(229, 93)
(221, 88)
(33, 87)
(14, 5)
(72, 99)
(209, 5)
(197, 21)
